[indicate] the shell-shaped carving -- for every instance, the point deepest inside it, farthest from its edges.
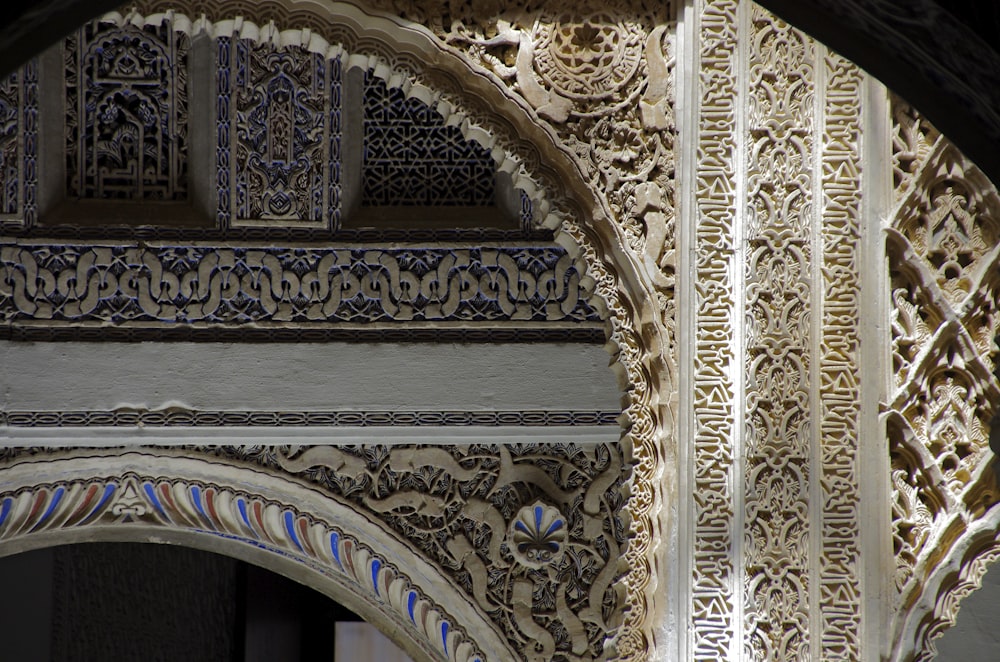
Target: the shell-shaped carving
(537, 535)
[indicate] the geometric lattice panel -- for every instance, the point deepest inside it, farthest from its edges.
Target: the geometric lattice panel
(411, 158)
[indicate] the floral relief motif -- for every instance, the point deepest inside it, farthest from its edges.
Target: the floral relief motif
(913, 138)
(281, 126)
(285, 133)
(779, 258)
(537, 535)
(942, 255)
(126, 97)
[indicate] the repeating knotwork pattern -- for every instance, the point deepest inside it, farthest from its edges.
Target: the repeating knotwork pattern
(943, 259)
(169, 284)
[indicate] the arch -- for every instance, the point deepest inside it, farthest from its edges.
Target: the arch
(544, 166)
(256, 516)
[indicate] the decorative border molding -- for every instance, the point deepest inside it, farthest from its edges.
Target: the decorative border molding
(782, 302)
(714, 583)
(270, 419)
(165, 285)
(135, 504)
(839, 406)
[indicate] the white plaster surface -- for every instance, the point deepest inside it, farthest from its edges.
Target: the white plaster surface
(39, 376)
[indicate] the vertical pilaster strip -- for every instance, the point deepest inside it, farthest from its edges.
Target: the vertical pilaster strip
(878, 572)
(840, 404)
(713, 568)
(677, 622)
(778, 472)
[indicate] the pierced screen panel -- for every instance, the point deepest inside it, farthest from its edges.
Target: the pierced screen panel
(126, 102)
(412, 159)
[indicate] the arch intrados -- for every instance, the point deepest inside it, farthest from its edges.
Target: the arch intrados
(367, 551)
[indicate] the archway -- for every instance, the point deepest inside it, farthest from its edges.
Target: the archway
(279, 524)
(541, 167)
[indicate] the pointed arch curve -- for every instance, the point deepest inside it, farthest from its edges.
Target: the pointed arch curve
(260, 517)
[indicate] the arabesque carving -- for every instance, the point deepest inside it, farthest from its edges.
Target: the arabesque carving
(127, 101)
(621, 142)
(778, 472)
(457, 504)
(943, 256)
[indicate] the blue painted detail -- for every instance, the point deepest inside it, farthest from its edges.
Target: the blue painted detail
(109, 489)
(538, 518)
(376, 564)
(5, 509)
(411, 602)
(290, 528)
(196, 497)
(520, 526)
(554, 526)
(56, 498)
(151, 494)
(242, 505)
(444, 636)
(335, 547)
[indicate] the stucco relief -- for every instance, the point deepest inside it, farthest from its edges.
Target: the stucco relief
(631, 160)
(530, 533)
(775, 415)
(942, 257)
(122, 501)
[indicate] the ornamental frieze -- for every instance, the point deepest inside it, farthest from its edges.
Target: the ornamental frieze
(127, 284)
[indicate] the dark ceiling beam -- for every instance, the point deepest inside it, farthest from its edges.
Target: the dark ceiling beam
(921, 52)
(28, 27)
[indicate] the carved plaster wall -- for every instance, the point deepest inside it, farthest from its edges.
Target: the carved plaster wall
(942, 247)
(799, 419)
(409, 57)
